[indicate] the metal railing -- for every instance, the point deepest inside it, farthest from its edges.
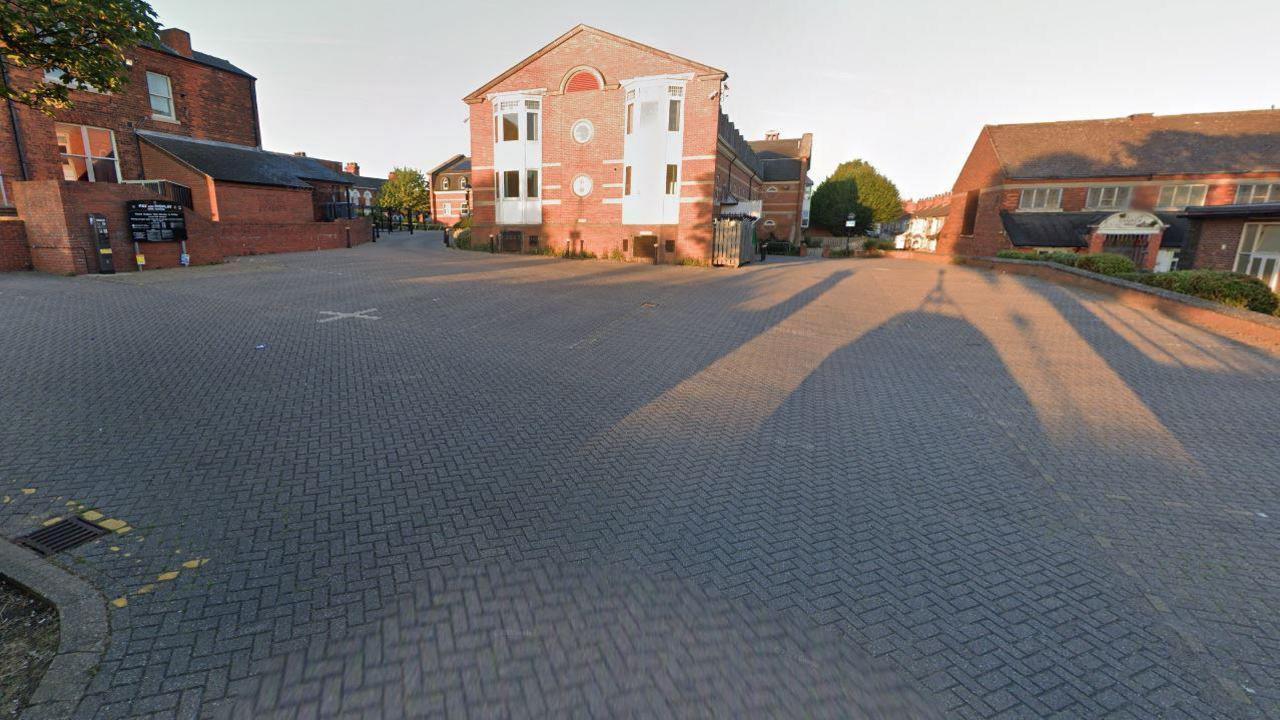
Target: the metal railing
(168, 189)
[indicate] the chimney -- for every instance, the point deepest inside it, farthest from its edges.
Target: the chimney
(1142, 117)
(299, 153)
(353, 168)
(772, 134)
(178, 41)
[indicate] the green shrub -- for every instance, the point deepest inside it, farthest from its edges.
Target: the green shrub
(1017, 255)
(1106, 263)
(578, 255)
(1228, 288)
(694, 262)
(617, 255)
(462, 239)
(1063, 258)
(839, 253)
(542, 250)
(464, 223)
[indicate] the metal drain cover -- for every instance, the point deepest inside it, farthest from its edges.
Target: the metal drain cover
(62, 535)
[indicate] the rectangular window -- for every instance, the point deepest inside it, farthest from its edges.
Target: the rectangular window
(448, 209)
(631, 116)
(511, 184)
(673, 172)
(161, 91)
(510, 126)
(626, 180)
(88, 153)
(1177, 197)
(1040, 199)
(1259, 253)
(54, 75)
(1257, 193)
(531, 108)
(531, 184)
(1108, 198)
(674, 105)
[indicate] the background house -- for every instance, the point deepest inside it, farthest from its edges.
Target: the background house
(451, 190)
(785, 163)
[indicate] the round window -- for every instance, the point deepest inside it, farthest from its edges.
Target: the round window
(583, 131)
(582, 185)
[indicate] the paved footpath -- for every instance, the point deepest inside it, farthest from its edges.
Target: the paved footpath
(401, 480)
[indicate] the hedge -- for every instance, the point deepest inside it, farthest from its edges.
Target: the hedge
(1106, 263)
(1228, 288)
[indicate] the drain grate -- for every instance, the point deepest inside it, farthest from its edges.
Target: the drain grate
(62, 535)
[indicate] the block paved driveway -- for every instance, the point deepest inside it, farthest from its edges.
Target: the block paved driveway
(539, 487)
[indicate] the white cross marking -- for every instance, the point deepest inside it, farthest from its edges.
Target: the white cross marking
(361, 314)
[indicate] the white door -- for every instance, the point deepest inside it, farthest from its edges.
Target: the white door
(1259, 254)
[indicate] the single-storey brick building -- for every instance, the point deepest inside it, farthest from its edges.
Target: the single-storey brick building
(1175, 191)
(182, 135)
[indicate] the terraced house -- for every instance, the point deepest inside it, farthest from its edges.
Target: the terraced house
(597, 143)
(183, 131)
(1175, 191)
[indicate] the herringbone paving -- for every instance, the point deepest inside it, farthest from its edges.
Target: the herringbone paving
(539, 487)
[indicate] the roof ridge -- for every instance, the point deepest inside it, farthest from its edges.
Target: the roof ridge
(1129, 118)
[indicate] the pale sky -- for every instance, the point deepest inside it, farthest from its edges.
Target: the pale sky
(904, 84)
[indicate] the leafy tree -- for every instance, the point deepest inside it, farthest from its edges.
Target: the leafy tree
(832, 202)
(86, 40)
(406, 191)
(876, 197)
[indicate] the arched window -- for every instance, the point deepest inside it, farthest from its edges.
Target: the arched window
(583, 79)
(444, 183)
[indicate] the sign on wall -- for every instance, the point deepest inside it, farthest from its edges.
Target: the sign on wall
(156, 221)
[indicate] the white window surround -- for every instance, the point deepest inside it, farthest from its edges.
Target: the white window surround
(1040, 199)
(65, 135)
(582, 131)
(54, 75)
(1259, 252)
(160, 91)
(1108, 197)
(1255, 193)
(1177, 197)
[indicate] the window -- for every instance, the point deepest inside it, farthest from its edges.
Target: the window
(161, 91)
(626, 180)
(769, 223)
(448, 209)
(463, 182)
(771, 189)
(1253, 194)
(444, 183)
(1040, 199)
(88, 153)
(531, 109)
(970, 212)
(55, 75)
(631, 117)
(531, 184)
(506, 121)
(674, 103)
(673, 172)
(1259, 253)
(510, 126)
(583, 131)
(1176, 197)
(368, 198)
(1108, 198)
(511, 184)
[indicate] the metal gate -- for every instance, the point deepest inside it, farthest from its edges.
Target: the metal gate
(733, 241)
(511, 241)
(645, 247)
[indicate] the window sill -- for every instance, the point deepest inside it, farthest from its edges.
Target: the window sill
(163, 119)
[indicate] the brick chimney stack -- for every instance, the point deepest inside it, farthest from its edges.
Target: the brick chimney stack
(299, 153)
(178, 40)
(352, 168)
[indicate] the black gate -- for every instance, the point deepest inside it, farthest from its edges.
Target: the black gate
(511, 241)
(646, 247)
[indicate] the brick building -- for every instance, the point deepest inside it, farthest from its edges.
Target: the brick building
(451, 190)
(601, 144)
(787, 186)
(185, 129)
(1185, 191)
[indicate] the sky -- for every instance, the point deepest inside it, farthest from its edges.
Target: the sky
(905, 85)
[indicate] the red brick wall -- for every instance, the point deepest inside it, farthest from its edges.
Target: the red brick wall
(238, 202)
(160, 165)
(1214, 243)
(455, 199)
(262, 238)
(209, 103)
(590, 223)
(14, 254)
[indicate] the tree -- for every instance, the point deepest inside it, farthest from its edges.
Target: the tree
(83, 40)
(878, 198)
(832, 203)
(406, 191)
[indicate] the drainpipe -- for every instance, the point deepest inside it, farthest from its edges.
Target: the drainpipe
(13, 122)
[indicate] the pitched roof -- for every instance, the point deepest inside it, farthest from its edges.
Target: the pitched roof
(1140, 145)
(941, 210)
(479, 92)
(772, 149)
(243, 163)
(364, 181)
(779, 169)
(456, 164)
(729, 135)
(1072, 229)
(197, 56)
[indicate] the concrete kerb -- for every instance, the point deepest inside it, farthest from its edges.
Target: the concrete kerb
(1251, 328)
(82, 630)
